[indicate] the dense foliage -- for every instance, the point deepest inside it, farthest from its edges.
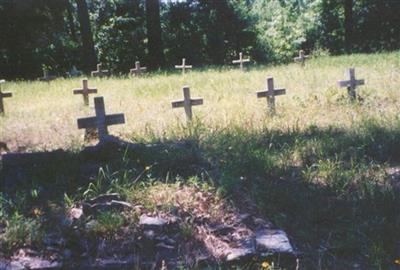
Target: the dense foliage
(48, 33)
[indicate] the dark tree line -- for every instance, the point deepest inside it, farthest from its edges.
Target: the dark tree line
(58, 34)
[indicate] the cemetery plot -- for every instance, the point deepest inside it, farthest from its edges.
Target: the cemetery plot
(47, 77)
(241, 61)
(2, 96)
(183, 66)
(100, 72)
(270, 94)
(138, 70)
(351, 84)
(101, 121)
(85, 91)
(301, 58)
(187, 103)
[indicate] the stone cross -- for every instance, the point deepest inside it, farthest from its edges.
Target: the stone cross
(183, 66)
(137, 71)
(241, 61)
(101, 121)
(3, 95)
(46, 77)
(85, 91)
(187, 103)
(100, 72)
(351, 84)
(301, 58)
(270, 94)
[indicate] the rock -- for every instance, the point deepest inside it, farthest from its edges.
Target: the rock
(240, 254)
(105, 198)
(33, 263)
(75, 213)
(273, 240)
(112, 205)
(152, 223)
(222, 229)
(92, 224)
(149, 234)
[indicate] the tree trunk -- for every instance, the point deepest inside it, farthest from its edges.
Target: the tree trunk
(155, 47)
(348, 24)
(89, 54)
(70, 18)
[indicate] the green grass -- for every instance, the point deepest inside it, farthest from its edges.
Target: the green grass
(319, 169)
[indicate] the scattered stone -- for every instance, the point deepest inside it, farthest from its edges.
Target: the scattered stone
(75, 213)
(273, 241)
(240, 254)
(154, 223)
(105, 198)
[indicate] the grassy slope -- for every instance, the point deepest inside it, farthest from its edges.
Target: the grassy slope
(319, 169)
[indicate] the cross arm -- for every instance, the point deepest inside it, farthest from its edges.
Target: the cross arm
(196, 101)
(177, 103)
(89, 122)
(6, 94)
(114, 119)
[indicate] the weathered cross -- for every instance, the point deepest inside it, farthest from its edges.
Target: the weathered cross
(3, 95)
(183, 66)
(101, 120)
(270, 94)
(187, 103)
(301, 58)
(99, 72)
(137, 71)
(351, 84)
(241, 61)
(85, 91)
(46, 77)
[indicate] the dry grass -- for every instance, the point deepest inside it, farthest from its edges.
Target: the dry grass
(43, 115)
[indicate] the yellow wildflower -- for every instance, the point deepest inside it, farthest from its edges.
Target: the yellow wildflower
(265, 265)
(397, 261)
(37, 212)
(147, 168)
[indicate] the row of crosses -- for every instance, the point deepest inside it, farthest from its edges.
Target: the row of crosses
(138, 70)
(270, 93)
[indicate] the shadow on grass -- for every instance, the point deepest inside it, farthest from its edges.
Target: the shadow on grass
(328, 188)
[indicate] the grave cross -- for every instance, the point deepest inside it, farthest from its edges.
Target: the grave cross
(351, 84)
(99, 72)
(85, 91)
(183, 66)
(270, 94)
(301, 58)
(46, 77)
(241, 61)
(137, 71)
(101, 120)
(3, 95)
(187, 103)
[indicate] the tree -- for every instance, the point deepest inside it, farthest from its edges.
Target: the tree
(348, 24)
(155, 47)
(88, 52)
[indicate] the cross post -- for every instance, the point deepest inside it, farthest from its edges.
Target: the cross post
(85, 91)
(183, 66)
(3, 95)
(137, 71)
(351, 84)
(241, 61)
(301, 58)
(101, 121)
(187, 103)
(99, 72)
(270, 94)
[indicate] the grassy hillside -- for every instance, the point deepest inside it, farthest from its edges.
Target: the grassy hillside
(43, 115)
(324, 169)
